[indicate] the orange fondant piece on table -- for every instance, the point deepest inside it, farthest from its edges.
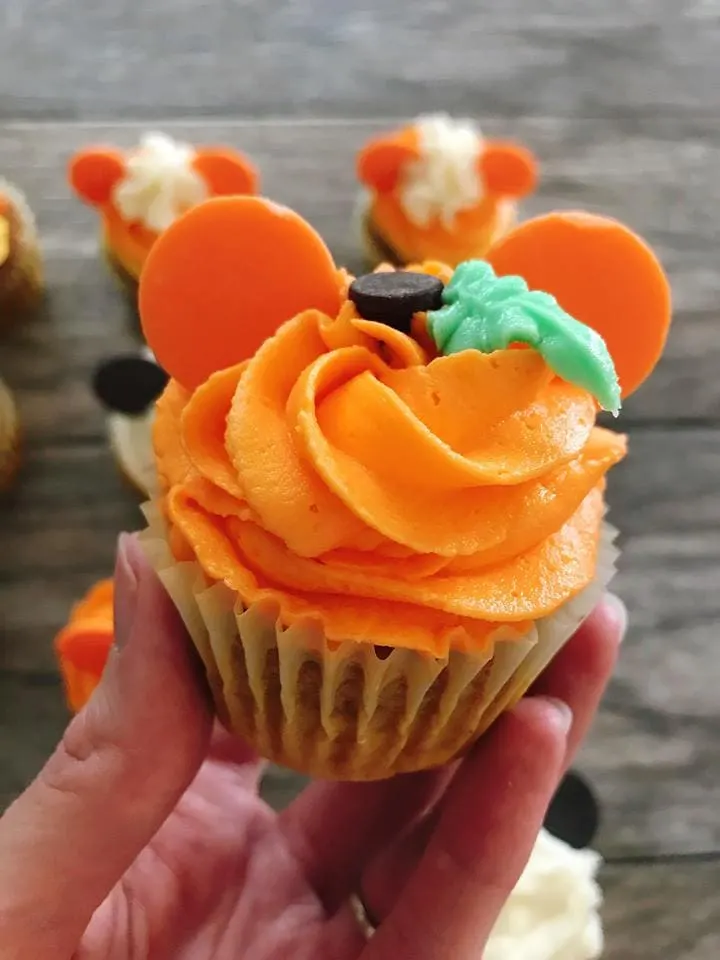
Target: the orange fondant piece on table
(602, 274)
(82, 646)
(223, 280)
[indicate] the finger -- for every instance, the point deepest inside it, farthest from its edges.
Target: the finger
(491, 816)
(123, 763)
(228, 750)
(578, 677)
(580, 672)
(335, 829)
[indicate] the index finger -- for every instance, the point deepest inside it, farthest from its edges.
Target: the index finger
(492, 814)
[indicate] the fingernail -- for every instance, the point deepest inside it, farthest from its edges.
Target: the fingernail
(563, 712)
(126, 591)
(618, 612)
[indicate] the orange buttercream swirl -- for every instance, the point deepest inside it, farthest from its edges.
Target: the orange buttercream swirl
(351, 478)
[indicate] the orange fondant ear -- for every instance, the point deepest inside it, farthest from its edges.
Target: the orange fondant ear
(224, 277)
(226, 172)
(94, 172)
(508, 169)
(602, 274)
(380, 162)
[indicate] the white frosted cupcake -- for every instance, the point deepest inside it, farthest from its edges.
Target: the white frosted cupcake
(127, 386)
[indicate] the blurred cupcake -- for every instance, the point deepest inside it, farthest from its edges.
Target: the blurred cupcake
(436, 190)
(82, 647)
(378, 518)
(9, 438)
(140, 193)
(21, 278)
(127, 386)
(554, 911)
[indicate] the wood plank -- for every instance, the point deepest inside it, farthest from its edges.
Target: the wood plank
(667, 909)
(573, 58)
(659, 176)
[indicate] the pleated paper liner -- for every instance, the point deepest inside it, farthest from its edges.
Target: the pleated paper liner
(375, 249)
(10, 439)
(21, 283)
(342, 711)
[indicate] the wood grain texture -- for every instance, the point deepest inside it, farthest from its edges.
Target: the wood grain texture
(662, 910)
(571, 58)
(620, 102)
(659, 176)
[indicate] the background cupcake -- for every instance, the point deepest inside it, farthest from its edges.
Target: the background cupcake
(127, 386)
(437, 190)
(140, 193)
(381, 523)
(21, 278)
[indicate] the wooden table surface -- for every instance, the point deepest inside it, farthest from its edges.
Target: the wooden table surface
(620, 102)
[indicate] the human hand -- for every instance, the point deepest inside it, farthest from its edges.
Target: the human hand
(144, 836)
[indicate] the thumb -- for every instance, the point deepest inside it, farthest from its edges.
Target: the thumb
(121, 767)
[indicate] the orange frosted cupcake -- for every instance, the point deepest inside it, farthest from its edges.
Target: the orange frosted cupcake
(9, 438)
(82, 647)
(437, 190)
(140, 193)
(381, 508)
(21, 276)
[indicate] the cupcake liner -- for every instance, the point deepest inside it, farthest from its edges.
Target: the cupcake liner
(127, 281)
(10, 436)
(342, 710)
(376, 249)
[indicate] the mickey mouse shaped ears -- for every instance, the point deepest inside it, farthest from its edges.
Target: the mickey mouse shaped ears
(224, 277)
(95, 171)
(506, 169)
(603, 275)
(229, 272)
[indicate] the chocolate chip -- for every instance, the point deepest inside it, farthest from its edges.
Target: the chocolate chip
(574, 814)
(393, 298)
(129, 384)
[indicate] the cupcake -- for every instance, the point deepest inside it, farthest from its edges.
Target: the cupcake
(9, 438)
(140, 193)
(436, 190)
(127, 386)
(21, 279)
(381, 505)
(554, 911)
(83, 645)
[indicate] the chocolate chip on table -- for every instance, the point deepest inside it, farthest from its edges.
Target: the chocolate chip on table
(574, 813)
(393, 298)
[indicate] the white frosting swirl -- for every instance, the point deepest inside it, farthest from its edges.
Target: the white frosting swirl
(552, 914)
(160, 183)
(131, 442)
(445, 178)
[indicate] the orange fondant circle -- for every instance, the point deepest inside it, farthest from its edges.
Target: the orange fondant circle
(604, 275)
(224, 277)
